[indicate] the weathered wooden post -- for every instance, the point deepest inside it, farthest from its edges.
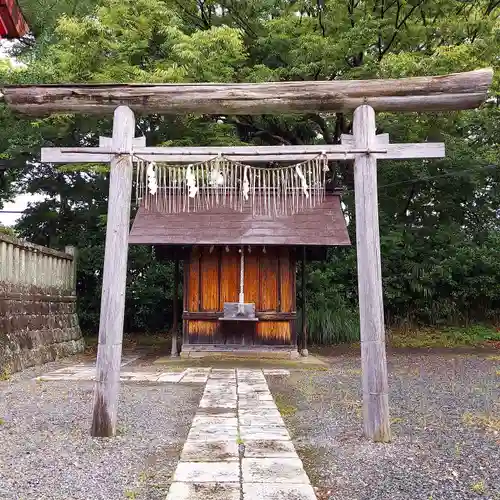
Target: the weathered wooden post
(304, 350)
(175, 307)
(371, 309)
(114, 276)
(71, 250)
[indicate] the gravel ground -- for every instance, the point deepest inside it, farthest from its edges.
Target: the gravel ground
(46, 451)
(445, 413)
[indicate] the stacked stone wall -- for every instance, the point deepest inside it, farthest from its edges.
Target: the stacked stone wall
(38, 319)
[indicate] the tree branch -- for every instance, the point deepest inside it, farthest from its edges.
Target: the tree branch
(256, 131)
(320, 19)
(400, 24)
(321, 122)
(492, 6)
(191, 16)
(409, 200)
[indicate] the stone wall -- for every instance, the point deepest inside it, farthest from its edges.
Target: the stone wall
(38, 320)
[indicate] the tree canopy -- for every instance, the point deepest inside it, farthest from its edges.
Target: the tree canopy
(439, 219)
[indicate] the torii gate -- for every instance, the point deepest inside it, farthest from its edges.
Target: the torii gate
(459, 91)
(363, 146)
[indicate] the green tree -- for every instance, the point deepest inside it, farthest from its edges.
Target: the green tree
(439, 224)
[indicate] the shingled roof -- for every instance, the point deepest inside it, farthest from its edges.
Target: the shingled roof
(324, 225)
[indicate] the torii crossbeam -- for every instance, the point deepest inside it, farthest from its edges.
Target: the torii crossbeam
(364, 147)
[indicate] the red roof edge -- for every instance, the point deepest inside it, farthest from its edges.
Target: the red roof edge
(12, 22)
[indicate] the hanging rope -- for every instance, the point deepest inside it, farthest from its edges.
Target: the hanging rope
(220, 181)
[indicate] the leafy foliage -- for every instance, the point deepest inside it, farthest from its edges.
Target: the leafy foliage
(439, 224)
(7, 230)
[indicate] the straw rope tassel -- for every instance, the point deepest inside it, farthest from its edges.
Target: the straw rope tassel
(270, 192)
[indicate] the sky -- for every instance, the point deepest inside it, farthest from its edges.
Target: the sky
(19, 203)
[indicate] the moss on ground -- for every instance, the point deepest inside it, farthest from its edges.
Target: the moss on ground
(472, 336)
(228, 361)
(285, 407)
(489, 421)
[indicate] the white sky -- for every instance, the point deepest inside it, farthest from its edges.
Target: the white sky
(20, 203)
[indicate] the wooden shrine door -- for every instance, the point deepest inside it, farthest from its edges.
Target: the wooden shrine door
(212, 277)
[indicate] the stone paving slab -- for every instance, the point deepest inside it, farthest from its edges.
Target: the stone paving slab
(273, 470)
(244, 387)
(194, 379)
(254, 404)
(276, 372)
(256, 420)
(270, 411)
(246, 378)
(207, 472)
(256, 397)
(266, 491)
(139, 376)
(213, 433)
(215, 420)
(249, 379)
(63, 376)
(226, 393)
(223, 373)
(204, 491)
(216, 398)
(198, 371)
(170, 377)
(217, 403)
(223, 387)
(217, 412)
(210, 451)
(256, 448)
(261, 433)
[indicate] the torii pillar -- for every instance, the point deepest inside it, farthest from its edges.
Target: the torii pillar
(114, 279)
(371, 306)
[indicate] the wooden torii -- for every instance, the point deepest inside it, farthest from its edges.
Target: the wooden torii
(364, 146)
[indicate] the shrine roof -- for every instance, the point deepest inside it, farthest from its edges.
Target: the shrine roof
(323, 225)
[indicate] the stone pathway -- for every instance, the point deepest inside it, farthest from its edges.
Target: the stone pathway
(238, 447)
(188, 376)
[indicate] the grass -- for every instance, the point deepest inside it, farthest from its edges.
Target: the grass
(472, 336)
(239, 440)
(5, 375)
(284, 407)
(478, 488)
(331, 323)
(488, 421)
(325, 328)
(228, 361)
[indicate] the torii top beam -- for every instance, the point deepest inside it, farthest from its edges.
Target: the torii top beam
(427, 93)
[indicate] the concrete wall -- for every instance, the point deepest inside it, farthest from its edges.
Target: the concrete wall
(38, 320)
